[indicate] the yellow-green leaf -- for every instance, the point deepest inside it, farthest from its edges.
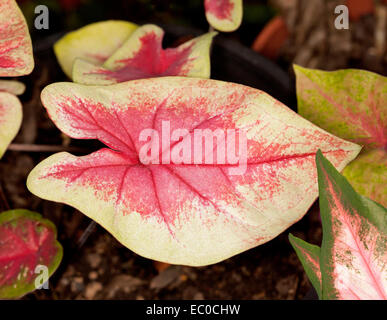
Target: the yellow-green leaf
(95, 43)
(348, 103)
(368, 175)
(142, 56)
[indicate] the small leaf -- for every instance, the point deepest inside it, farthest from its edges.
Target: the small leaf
(309, 256)
(10, 119)
(354, 248)
(349, 103)
(368, 175)
(11, 86)
(95, 43)
(142, 56)
(190, 213)
(16, 58)
(26, 241)
(224, 15)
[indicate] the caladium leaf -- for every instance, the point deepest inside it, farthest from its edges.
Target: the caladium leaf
(142, 56)
(10, 119)
(224, 15)
(309, 256)
(352, 105)
(95, 43)
(192, 213)
(354, 247)
(368, 175)
(27, 241)
(12, 86)
(349, 103)
(16, 58)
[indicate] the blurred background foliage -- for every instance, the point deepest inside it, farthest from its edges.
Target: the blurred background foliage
(285, 31)
(71, 14)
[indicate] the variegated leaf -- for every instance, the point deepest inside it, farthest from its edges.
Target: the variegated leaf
(309, 256)
(94, 43)
(349, 103)
(352, 105)
(224, 15)
(142, 56)
(28, 247)
(192, 212)
(353, 256)
(16, 58)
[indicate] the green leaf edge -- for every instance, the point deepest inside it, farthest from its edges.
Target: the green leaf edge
(314, 251)
(8, 292)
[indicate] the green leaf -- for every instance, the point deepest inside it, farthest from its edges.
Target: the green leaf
(309, 256)
(348, 103)
(352, 105)
(368, 175)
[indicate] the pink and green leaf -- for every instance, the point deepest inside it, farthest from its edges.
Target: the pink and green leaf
(94, 43)
(26, 241)
(309, 256)
(354, 247)
(368, 175)
(16, 58)
(352, 105)
(165, 212)
(142, 56)
(12, 86)
(10, 119)
(224, 15)
(349, 103)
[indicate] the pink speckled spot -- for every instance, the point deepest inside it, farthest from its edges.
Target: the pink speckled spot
(151, 60)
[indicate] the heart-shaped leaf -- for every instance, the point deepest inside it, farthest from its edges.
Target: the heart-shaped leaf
(95, 43)
(10, 119)
(26, 242)
(353, 253)
(16, 57)
(142, 56)
(193, 212)
(352, 105)
(12, 86)
(224, 15)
